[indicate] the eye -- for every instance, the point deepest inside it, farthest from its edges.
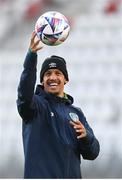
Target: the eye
(48, 73)
(58, 73)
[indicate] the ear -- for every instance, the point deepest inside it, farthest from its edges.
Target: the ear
(42, 83)
(65, 82)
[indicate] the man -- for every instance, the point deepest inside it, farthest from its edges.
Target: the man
(55, 133)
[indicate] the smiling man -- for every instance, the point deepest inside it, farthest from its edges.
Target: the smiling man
(55, 133)
(54, 75)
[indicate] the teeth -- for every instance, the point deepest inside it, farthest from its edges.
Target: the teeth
(53, 84)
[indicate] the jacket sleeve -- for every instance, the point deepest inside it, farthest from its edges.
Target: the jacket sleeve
(89, 146)
(25, 100)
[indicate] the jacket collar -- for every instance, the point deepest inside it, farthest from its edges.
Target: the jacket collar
(51, 97)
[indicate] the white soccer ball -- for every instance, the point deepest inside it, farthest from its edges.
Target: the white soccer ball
(52, 28)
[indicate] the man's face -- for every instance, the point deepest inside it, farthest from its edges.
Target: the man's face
(53, 82)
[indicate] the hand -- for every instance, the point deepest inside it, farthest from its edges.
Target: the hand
(79, 128)
(35, 43)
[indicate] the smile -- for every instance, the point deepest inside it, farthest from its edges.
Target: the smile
(53, 84)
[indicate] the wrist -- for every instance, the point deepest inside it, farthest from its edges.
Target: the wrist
(88, 139)
(31, 51)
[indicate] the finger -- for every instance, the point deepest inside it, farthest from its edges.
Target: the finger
(77, 122)
(37, 48)
(34, 45)
(78, 127)
(72, 123)
(36, 42)
(40, 47)
(80, 130)
(81, 136)
(33, 35)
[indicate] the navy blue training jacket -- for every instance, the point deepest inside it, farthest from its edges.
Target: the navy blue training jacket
(51, 147)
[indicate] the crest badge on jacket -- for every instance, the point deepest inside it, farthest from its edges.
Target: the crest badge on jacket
(74, 117)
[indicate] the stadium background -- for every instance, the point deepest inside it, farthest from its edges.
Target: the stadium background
(93, 54)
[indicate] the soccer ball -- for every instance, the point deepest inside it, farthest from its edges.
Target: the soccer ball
(52, 28)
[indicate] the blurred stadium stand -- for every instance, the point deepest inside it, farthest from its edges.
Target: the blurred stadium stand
(93, 54)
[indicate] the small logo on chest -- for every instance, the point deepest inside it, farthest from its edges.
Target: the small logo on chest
(74, 116)
(52, 114)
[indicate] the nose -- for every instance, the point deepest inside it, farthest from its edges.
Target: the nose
(52, 76)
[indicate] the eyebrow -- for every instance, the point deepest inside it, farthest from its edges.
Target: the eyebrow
(56, 70)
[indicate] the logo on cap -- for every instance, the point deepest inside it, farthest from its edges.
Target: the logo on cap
(52, 65)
